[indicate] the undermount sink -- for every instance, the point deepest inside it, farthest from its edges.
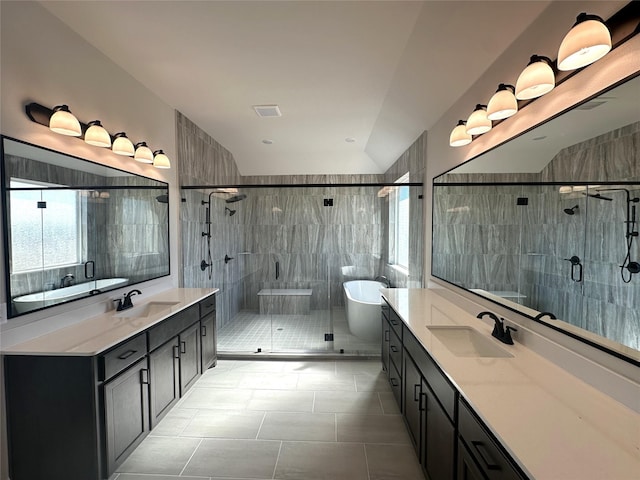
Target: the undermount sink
(467, 342)
(146, 310)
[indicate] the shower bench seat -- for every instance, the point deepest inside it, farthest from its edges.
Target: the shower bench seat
(285, 301)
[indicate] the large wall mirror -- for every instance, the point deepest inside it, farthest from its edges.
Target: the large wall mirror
(74, 228)
(549, 222)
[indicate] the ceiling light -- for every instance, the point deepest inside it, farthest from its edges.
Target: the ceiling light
(587, 41)
(122, 145)
(96, 135)
(536, 79)
(350, 140)
(160, 160)
(267, 111)
(266, 141)
(143, 153)
(459, 136)
(478, 123)
(64, 122)
(503, 104)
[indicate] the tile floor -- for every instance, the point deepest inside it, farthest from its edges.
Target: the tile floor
(249, 331)
(296, 420)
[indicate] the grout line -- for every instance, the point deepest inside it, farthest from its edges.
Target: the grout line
(366, 460)
(264, 417)
(335, 418)
(275, 467)
(313, 403)
(194, 452)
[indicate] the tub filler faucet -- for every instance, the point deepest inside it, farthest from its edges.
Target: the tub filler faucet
(66, 280)
(383, 279)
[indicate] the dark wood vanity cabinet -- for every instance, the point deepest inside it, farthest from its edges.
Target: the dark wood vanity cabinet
(208, 332)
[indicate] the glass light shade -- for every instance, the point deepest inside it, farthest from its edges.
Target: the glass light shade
(503, 104)
(160, 160)
(143, 153)
(478, 123)
(122, 145)
(535, 80)
(64, 122)
(96, 135)
(459, 136)
(589, 40)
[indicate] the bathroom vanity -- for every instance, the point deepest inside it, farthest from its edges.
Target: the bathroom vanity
(80, 399)
(476, 408)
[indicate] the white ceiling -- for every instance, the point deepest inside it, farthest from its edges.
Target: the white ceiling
(381, 72)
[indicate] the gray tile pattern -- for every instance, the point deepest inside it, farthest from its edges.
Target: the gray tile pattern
(286, 433)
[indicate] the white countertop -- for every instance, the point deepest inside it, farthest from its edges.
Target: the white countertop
(553, 424)
(99, 333)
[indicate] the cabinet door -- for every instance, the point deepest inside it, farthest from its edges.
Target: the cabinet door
(189, 357)
(467, 468)
(439, 448)
(412, 389)
(385, 344)
(208, 336)
(126, 404)
(164, 379)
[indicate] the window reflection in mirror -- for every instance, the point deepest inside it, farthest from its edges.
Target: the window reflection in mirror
(548, 222)
(75, 228)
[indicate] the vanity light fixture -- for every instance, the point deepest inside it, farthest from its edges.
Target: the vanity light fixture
(62, 121)
(96, 135)
(536, 79)
(122, 145)
(503, 104)
(160, 160)
(143, 153)
(459, 136)
(478, 122)
(587, 41)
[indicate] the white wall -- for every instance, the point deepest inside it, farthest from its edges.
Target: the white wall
(554, 22)
(44, 61)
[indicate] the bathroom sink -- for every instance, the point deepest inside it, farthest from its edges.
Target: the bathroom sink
(146, 310)
(467, 342)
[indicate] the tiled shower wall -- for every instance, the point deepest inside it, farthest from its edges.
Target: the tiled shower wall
(483, 239)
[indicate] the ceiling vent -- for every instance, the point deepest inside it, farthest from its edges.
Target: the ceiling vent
(267, 111)
(592, 104)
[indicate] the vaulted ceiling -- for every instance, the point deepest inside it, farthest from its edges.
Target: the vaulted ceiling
(376, 72)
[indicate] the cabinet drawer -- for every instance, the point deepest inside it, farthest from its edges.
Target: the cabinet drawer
(444, 391)
(119, 358)
(488, 454)
(207, 305)
(396, 384)
(385, 309)
(172, 326)
(395, 322)
(395, 350)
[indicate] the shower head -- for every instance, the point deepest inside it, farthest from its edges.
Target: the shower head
(236, 198)
(571, 211)
(231, 212)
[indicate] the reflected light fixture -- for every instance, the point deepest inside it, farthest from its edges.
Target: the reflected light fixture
(536, 79)
(587, 41)
(459, 136)
(96, 135)
(503, 104)
(64, 122)
(143, 153)
(478, 123)
(122, 145)
(160, 160)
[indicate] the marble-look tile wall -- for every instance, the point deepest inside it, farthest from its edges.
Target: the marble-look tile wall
(483, 239)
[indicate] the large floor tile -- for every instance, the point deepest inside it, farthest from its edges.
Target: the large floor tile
(326, 382)
(377, 382)
(389, 403)
(371, 367)
(371, 429)
(281, 401)
(320, 461)
(272, 381)
(299, 426)
(347, 402)
(174, 422)
(234, 458)
(160, 455)
(134, 476)
(219, 379)
(216, 398)
(311, 367)
(393, 462)
(224, 424)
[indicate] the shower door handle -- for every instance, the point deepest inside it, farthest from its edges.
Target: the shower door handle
(575, 265)
(277, 270)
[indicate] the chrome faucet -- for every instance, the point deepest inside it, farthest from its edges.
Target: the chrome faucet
(500, 332)
(383, 279)
(66, 280)
(125, 303)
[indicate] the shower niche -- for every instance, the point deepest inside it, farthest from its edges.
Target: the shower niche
(549, 222)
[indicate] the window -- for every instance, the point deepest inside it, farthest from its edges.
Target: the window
(44, 237)
(399, 224)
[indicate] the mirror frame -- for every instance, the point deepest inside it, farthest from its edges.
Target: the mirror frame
(6, 227)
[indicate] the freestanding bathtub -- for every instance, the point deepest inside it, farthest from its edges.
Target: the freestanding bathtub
(362, 306)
